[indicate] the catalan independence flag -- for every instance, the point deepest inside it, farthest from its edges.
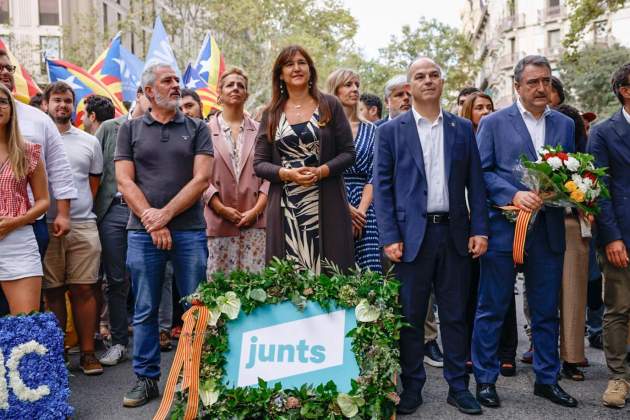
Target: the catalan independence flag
(208, 95)
(83, 83)
(210, 63)
(108, 68)
(25, 87)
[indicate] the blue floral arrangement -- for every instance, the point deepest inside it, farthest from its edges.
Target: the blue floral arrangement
(33, 373)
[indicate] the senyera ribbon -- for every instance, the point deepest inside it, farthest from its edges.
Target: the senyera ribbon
(520, 232)
(188, 357)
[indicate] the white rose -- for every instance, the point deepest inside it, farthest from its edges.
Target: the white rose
(576, 178)
(555, 162)
(587, 181)
(572, 164)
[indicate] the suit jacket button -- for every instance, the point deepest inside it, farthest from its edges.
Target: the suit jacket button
(424, 215)
(425, 192)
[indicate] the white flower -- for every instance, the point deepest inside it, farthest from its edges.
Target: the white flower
(4, 391)
(576, 178)
(215, 314)
(555, 162)
(366, 312)
(208, 394)
(21, 391)
(229, 304)
(349, 405)
(587, 181)
(572, 164)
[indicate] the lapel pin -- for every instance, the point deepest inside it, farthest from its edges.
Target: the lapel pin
(452, 124)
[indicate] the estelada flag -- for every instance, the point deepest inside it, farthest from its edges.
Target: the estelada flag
(210, 64)
(108, 68)
(25, 86)
(208, 96)
(84, 84)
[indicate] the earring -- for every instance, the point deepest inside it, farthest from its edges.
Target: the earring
(310, 84)
(219, 100)
(282, 88)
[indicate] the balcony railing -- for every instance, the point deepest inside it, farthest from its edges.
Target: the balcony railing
(511, 22)
(550, 14)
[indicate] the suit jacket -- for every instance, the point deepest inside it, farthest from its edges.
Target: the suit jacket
(335, 226)
(610, 143)
(503, 138)
(400, 184)
(106, 135)
(241, 193)
(381, 121)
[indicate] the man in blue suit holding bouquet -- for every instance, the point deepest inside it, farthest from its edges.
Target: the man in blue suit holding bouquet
(425, 161)
(503, 137)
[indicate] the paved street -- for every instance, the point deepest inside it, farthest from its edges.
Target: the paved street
(100, 398)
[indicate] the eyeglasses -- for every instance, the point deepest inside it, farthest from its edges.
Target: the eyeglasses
(8, 67)
(4, 103)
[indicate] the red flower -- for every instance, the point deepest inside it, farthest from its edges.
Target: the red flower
(548, 155)
(590, 176)
(563, 155)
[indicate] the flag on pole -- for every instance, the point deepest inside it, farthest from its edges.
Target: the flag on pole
(25, 86)
(208, 96)
(131, 74)
(83, 83)
(108, 68)
(160, 50)
(210, 63)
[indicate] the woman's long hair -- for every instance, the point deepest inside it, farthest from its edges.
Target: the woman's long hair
(469, 104)
(15, 142)
(338, 78)
(279, 97)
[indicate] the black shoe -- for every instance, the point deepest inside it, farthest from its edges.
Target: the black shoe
(596, 341)
(487, 395)
(433, 355)
(409, 402)
(142, 392)
(555, 394)
(508, 368)
(571, 371)
(464, 401)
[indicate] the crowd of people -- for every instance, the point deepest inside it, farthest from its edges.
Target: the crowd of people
(109, 218)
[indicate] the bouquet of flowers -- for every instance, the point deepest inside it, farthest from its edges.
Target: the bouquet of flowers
(564, 179)
(561, 179)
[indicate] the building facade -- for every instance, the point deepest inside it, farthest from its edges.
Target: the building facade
(32, 29)
(504, 31)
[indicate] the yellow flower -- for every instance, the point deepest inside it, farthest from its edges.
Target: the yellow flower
(570, 186)
(577, 196)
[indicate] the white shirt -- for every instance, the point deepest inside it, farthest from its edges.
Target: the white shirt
(432, 142)
(536, 127)
(37, 127)
(625, 114)
(86, 159)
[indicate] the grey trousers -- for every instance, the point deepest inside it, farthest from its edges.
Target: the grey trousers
(616, 318)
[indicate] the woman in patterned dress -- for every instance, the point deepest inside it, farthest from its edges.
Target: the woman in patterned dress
(235, 198)
(344, 84)
(304, 145)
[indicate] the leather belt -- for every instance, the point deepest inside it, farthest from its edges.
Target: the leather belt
(438, 218)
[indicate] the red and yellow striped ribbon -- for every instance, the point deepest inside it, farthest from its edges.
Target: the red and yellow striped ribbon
(188, 357)
(520, 232)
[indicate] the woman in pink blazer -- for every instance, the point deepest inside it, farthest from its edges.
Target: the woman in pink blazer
(236, 197)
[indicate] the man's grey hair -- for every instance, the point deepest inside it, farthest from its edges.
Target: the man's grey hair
(530, 60)
(424, 57)
(394, 83)
(149, 74)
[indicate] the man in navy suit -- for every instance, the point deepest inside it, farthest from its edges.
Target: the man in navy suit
(610, 143)
(425, 160)
(503, 137)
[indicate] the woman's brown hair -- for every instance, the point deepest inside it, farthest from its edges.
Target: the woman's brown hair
(15, 141)
(469, 103)
(279, 97)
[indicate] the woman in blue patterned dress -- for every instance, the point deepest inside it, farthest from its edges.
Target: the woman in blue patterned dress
(344, 84)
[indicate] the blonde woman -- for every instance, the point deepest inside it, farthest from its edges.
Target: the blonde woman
(344, 84)
(20, 167)
(236, 198)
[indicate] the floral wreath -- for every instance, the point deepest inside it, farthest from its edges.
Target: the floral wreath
(374, 344)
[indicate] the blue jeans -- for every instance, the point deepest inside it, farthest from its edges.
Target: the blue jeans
(146, 265)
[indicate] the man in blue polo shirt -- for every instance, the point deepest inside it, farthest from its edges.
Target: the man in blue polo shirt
(163, 163)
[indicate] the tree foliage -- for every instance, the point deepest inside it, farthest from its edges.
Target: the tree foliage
(445, 44)
(583, 13)
(588, 78)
